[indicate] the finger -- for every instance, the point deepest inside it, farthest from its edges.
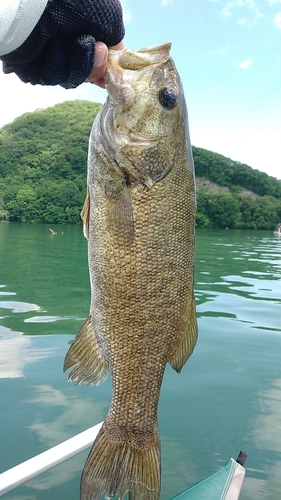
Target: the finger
(97, 74)
(119, 46)
(100, 62)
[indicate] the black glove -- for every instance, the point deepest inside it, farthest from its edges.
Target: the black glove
(61, 48)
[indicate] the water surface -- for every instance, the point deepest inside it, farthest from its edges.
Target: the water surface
(227, 398)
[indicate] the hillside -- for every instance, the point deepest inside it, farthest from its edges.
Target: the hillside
(234, 195)
(43, 159)
(230, 173)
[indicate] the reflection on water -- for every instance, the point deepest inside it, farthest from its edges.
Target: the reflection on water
(71, 410)
(46, 396)
(228, 396)
(16, 352)
(266, 435)
(46, 319)
(267, 432)
(18, 307)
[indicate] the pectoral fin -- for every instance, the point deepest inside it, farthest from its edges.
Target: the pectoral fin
(90, 366)
(187, 342)
(85, 215)
(121, 216)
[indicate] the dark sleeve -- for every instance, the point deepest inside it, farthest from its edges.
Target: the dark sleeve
(61, 48)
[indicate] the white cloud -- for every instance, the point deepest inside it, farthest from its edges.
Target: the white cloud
(259, 149)
(244, 20)
(164, 3)
(252, 6)
(277, 20)
(245, 64)
(17, 98)
(127, 16)
(224, 49)
(227, 11)
(274, 1)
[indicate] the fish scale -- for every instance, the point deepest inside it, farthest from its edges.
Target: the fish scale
(139, 218)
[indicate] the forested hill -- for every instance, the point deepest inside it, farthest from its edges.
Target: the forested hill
(43, 159)
(229, 173)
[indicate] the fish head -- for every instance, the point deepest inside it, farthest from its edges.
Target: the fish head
(144, 119)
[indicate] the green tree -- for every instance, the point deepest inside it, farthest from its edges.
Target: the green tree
(23, 208)
(217, 209)
(247, 207)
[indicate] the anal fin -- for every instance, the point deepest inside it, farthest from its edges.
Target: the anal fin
(187, 343)
(90, 366)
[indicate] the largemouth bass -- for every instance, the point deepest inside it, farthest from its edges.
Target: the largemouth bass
(139, 220)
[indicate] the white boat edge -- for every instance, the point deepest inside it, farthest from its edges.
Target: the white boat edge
(24, 472)
(20, 474)
(236, 482)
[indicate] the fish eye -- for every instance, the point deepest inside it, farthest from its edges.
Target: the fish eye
(167, 98)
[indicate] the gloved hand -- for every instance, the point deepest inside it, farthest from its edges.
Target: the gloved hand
(61, 48)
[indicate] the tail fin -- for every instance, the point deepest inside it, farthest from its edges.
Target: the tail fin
(117, 464)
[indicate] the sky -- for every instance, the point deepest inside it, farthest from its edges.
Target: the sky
(228, 53)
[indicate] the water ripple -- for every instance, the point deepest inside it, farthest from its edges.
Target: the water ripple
(18, 307)
(47, 319)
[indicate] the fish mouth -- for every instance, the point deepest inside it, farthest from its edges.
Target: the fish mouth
(139, 59)
(123, 64)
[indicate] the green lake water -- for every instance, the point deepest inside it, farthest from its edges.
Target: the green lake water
(227, 397)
